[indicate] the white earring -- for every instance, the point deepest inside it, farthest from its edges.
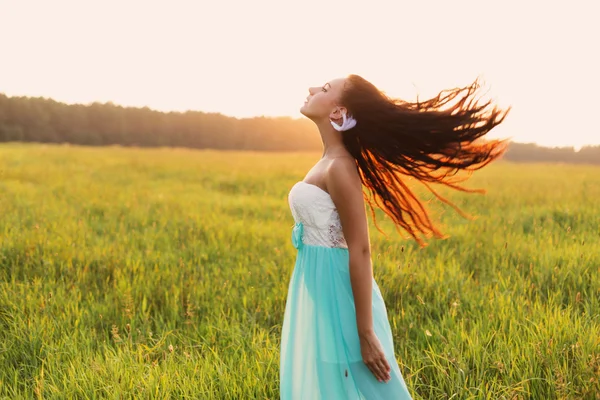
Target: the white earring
(348, 123)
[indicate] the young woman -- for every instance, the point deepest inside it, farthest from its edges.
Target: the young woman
(336, 339)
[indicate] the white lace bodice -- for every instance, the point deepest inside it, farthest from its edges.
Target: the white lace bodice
(314, 208)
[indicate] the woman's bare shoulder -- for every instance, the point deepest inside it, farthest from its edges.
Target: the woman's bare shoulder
(343, 172)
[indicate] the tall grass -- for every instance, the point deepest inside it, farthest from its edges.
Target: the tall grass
(162, 273)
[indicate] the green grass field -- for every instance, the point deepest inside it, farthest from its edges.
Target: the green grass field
(162, 273)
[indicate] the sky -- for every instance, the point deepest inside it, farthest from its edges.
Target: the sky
(248, 58)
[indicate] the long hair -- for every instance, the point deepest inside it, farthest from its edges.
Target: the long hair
(430, 140)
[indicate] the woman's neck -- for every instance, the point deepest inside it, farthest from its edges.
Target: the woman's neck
(333, 144)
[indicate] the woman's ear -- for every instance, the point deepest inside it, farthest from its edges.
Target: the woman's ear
(338, 113)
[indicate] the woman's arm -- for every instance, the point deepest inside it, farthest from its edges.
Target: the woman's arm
(345, 188)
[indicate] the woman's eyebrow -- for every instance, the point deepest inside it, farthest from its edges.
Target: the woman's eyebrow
(327, 84)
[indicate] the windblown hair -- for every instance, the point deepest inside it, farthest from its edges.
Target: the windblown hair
(430, 140)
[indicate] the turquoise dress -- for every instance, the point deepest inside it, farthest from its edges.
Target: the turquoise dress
(320, 356)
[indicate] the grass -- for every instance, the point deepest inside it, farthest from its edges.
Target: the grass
(162, 273)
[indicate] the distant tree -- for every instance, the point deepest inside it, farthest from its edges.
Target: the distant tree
(531, 152)
(29, 119)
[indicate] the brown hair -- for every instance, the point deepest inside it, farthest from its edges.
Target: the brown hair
(427, 140)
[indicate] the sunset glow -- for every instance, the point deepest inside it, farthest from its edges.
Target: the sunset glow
(250, 58)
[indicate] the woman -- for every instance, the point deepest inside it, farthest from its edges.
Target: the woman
(336, 339)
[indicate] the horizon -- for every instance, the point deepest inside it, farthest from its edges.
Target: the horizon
(180, 56)
(249, 117)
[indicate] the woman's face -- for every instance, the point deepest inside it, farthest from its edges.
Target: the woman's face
(322, 101)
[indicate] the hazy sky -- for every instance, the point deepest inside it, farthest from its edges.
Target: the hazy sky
(258, 57)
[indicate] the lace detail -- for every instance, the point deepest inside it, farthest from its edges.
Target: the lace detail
(313, 208)
(335, 233)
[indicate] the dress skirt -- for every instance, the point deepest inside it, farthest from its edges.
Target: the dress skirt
(320, 354)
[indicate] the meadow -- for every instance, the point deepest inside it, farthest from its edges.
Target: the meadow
(162, 273)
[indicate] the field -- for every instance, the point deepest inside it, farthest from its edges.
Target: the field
(162, 273)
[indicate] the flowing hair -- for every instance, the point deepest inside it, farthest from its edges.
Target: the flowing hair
(429, 140)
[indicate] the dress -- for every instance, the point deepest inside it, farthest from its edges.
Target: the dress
(320, 356)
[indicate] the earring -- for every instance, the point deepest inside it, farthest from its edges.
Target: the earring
(347, 123)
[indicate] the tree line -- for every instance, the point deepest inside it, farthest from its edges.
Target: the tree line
(33, 119)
